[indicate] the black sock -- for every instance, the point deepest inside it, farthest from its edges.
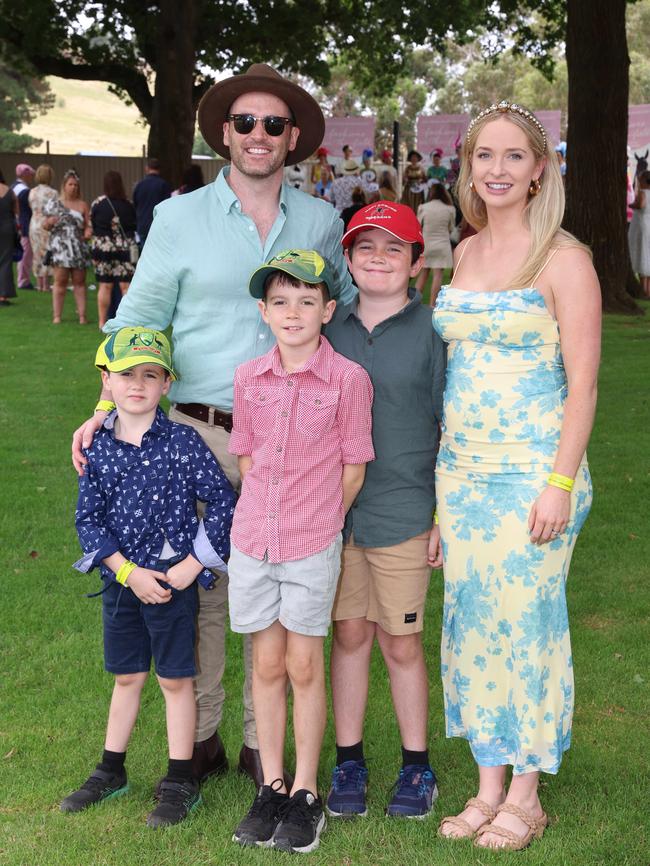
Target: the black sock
(112, 762)
(409, 757)
(349, 753)
(179, 771)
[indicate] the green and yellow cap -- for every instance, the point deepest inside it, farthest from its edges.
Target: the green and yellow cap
(129, 347)
(308, 266)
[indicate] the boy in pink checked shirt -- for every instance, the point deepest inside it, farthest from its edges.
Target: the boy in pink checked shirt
(302, 431)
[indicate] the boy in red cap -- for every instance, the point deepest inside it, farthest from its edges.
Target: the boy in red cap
(391, 543)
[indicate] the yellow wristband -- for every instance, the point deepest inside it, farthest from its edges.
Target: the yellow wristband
(105, 406)
(435, 517)
(561, 481)
(123, 572)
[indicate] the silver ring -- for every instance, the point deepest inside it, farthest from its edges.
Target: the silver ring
(554, 532)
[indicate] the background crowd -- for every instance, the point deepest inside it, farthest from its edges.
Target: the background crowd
(55, 236)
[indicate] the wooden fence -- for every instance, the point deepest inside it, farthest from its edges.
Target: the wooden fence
(91, 169)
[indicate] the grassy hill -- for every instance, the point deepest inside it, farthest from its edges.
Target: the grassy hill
(86, 117)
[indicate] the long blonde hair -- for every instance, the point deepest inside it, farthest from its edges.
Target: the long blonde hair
(543, 212)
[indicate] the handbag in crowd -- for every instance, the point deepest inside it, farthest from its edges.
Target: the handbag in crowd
(18, 247)
(134, 249)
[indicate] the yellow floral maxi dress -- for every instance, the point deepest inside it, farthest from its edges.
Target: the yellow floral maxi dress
(506, 654)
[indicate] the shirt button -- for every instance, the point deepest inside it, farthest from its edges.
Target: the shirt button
(145, 462)
(251, 228)
(275, 481)
(279, 448)
(289, 382)
(284, 414)
(156, 497)
(262, 397)
(260, 336)
(370, 341)
(271, 515)
(318, 402)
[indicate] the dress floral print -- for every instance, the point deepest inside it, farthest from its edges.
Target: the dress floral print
(506, 653)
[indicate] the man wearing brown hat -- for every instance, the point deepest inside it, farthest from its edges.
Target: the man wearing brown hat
(193, 274)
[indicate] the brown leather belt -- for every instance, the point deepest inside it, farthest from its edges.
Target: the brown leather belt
(207, 414)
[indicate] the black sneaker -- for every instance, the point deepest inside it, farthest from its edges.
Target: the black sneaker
(175, 802)
(302, 820)
(102, 785)
(258, 827)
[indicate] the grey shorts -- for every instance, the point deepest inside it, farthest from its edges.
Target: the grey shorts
(299, 594)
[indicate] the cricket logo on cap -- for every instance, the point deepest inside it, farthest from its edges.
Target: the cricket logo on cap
(147, 339)
(306, 258)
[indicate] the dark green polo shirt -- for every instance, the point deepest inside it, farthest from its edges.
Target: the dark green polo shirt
(405, 359)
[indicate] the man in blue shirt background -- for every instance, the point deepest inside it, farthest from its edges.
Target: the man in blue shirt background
(147, 193)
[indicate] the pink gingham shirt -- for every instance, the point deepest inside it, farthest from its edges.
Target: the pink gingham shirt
(300, 429)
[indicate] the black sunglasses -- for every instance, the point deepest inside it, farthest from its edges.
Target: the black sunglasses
(245, 123)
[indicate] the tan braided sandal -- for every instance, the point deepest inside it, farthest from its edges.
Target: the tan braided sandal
(468, 832)
(513, 842)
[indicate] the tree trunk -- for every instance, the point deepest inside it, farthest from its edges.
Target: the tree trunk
(171, 133)
(598, 69)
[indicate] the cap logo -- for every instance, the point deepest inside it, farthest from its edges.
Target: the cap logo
(309, 258)
(381, 212)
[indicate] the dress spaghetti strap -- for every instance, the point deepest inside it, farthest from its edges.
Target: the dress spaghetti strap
(539, 272)
(464, 250)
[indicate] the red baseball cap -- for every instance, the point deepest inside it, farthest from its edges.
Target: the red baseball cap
(396, 219)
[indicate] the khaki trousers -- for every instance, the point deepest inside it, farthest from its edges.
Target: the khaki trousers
(213, 613)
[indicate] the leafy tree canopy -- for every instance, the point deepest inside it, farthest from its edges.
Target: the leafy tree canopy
(22, 97)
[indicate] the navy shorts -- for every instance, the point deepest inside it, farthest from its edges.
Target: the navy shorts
(135, 632)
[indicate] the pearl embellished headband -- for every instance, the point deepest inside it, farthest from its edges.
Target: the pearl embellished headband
(504, 107)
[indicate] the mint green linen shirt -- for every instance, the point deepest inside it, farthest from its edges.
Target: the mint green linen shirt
(194, 272)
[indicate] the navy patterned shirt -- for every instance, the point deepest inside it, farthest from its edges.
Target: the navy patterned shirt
(135, 499)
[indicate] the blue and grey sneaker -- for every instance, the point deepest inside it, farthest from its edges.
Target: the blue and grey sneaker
(415, 792)
(347, 796)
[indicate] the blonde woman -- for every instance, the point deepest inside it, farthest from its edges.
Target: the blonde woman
(522, 320)
(68, 219)
(39, 235)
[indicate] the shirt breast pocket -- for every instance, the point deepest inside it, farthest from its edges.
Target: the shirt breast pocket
(263, 407)
(316, 412)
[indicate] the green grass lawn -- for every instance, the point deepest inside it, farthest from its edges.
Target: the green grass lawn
(54, 693)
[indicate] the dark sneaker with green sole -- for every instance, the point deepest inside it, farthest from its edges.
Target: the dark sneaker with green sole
(175, 802)
(100, 786)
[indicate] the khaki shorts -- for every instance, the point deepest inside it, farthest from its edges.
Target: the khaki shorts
(386, 585)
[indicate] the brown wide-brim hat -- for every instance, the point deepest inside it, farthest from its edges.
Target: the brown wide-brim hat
(261, 78)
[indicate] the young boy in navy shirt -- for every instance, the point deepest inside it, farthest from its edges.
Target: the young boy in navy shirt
(136, 520)
(301, 430)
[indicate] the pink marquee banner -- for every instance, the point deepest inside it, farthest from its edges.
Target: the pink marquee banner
(638, 125)
(444, 130)
(440, 130)
(358, 132)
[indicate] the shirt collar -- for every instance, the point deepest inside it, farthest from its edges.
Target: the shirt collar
(351, 309)
(159, 426)
(320, 363)
(227, 196)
